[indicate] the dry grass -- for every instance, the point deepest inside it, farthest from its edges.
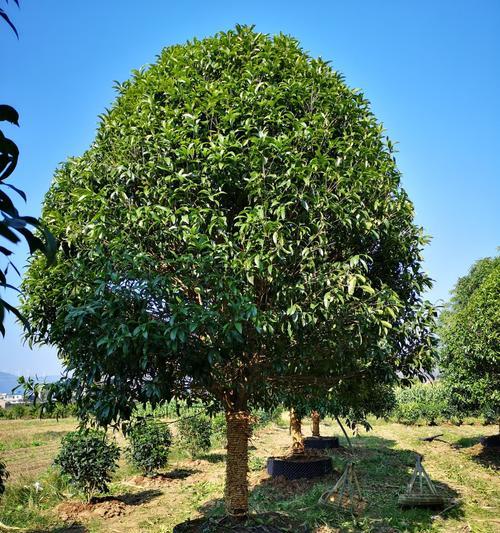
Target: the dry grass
(385, 458)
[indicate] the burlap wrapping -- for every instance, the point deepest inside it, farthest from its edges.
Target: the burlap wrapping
(315, 423)
(236, 491)
(296, 431)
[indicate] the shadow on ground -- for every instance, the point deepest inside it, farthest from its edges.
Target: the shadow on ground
(131, 498)
(213, 457)
(74, 528)
(383, 473)
(177, 473)
(163, 478)
(487, 456)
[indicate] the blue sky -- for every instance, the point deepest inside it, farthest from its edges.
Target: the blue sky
(430, 69)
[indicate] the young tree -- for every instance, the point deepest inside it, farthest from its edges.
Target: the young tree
(470, 336)
(237, 227)
(296, 431)
(89, 459)
(315, 421)
(149, 445)
(352, 400)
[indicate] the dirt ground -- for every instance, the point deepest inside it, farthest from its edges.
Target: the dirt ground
(192, 488)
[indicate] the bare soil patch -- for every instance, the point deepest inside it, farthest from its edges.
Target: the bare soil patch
(74, 511)
(104, 507)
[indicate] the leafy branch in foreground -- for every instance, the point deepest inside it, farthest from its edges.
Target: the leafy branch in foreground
(13, 226)
(6, 18)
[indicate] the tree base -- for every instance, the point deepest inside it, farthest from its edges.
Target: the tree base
(299, 466)
(321, 443)
(263, 523)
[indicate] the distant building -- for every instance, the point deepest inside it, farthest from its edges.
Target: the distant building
(9, 400)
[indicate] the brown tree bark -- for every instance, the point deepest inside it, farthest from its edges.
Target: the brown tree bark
(315, 418)
(296, 431)
(236, 490)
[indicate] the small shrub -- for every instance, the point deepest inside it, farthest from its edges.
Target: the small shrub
(19, 411)
(88, 459)
(4, 474)
(149, 443)
(195, 433)
(219, 428)
(423, 403)
(265, 417)
(256, 464)
(407, 413)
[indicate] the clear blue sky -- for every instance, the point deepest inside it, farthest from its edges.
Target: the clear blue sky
(430, 68)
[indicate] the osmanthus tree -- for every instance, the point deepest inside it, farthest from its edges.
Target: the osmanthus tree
(237, 227)
(352, 400)
(470, 337)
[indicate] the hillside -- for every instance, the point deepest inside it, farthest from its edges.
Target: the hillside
(9, 381)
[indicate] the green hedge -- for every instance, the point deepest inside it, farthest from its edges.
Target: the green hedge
(424, 403)
(27, 411)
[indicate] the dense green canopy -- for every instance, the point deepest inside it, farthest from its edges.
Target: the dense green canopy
(237, 227)
(470, 334)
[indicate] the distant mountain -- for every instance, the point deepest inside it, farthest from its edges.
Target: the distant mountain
(9, 381)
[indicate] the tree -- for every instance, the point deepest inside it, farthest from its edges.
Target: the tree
(13, 226)
(237, 228)
(470, 337)
(352, 400)
(149, 445)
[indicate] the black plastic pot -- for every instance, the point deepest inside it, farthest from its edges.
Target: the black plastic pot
(321, 443)
(296, 469)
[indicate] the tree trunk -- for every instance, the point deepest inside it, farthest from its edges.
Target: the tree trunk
(315, 423)
(236, 491)
(296, 431)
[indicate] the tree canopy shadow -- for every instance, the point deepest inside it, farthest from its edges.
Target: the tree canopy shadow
(178, 473)
(213, 457)
(136, 498)
(486, 456)
(73, 528)
(383, 472)
(163, 478)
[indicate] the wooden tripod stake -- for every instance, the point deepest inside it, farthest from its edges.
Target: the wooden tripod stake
(424, 495)
(346, 493)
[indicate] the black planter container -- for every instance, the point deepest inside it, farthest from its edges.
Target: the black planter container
(293, 469)
(321, 443)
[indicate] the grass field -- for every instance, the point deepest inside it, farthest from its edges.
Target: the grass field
(385, 458)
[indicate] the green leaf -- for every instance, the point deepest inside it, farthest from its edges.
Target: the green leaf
(352, 286)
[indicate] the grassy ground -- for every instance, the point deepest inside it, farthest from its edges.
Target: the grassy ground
(385, 458)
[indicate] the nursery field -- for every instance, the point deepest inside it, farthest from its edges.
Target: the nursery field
(188, 488)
